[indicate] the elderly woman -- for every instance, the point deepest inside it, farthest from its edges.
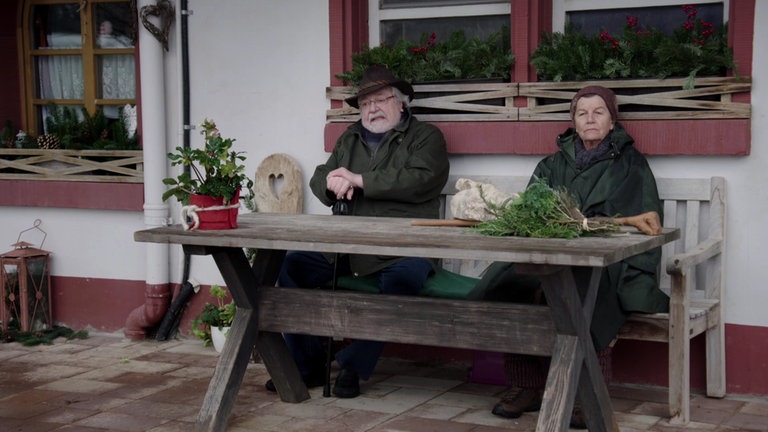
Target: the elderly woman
(597, 163)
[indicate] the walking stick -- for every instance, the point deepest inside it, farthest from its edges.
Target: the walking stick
(339, 208)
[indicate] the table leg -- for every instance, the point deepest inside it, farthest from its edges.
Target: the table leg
(226, 380)
(574, 367)
(271, 346)
(242, 282)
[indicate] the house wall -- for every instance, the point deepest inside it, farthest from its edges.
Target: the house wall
(260, 70)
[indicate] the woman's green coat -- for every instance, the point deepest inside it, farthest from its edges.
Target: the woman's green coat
(620, 184)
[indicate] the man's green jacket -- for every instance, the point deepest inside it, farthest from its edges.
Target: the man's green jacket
(403, 178)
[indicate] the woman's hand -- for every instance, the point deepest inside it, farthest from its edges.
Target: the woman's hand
(648, 223)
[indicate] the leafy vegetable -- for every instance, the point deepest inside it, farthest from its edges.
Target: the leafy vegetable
(541, 212)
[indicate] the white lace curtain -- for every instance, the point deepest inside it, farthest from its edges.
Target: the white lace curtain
(61, 77)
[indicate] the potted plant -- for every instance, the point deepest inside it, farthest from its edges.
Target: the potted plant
(210, 187)
(213, 322)
(476, 68)
(695, 48)
(456, 58)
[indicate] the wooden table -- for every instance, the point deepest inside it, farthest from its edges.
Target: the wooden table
(574, 367)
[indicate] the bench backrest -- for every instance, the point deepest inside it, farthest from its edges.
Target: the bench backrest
(695, 205)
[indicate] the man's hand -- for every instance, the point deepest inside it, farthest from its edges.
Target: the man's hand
(648, 223)
(342, 182)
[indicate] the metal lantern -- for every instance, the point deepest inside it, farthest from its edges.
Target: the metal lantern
(25, 286)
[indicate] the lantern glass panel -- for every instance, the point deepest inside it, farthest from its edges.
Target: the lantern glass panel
(9, 308)
(38, 303)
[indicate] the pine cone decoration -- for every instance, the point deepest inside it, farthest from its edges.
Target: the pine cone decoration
(48, 141)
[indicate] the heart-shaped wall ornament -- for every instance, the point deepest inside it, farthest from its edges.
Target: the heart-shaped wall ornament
(163, 12)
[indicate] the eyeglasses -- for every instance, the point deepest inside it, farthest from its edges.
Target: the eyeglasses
(378, 102)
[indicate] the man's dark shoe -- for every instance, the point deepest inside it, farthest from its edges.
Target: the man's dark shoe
(577, 418)
(270, 386)
(516, 402)
(315, 379)
(347, 384)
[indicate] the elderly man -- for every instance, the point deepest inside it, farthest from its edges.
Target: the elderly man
(386, 164)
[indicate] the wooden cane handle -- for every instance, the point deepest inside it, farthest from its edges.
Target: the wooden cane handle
(444, 222)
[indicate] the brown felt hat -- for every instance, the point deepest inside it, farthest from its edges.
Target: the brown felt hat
(607, 94)
(376, 78)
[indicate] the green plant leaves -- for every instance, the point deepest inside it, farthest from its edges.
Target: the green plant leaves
(540, 212)
(76, 129)
(696, 48)
(215, 170)
(218, 314)
(455, 58)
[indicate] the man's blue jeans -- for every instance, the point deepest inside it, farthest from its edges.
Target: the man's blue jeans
(311, 270)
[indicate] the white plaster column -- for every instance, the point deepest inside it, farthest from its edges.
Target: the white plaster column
(153, 134)
(153, 130)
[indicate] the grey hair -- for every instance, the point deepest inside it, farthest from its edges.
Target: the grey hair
(402, 97)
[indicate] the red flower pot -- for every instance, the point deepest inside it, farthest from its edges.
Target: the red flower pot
(213, 213)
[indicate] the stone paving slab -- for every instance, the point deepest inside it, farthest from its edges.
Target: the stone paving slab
(109, 383)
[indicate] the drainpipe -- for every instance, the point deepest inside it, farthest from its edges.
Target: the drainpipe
(156, 213)
(170, 322)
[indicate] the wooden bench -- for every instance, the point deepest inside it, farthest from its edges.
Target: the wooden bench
(693, 279)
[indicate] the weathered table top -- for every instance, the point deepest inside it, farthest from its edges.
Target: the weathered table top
(396, 236)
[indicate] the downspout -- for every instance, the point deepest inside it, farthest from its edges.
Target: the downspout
(156, 213)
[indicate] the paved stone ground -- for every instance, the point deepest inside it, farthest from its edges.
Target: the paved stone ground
(109, 383)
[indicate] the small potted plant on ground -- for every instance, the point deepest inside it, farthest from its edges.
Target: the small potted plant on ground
(210, 187)
(213, 322)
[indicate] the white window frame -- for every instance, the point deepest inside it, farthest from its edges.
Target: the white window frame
(376, 14)
(561, 7)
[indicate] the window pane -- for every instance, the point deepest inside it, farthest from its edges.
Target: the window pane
(664, 18)
(60, 77)
(412, 29)
(117, 79)
(56, 26)
(392, 4)
(113, 25)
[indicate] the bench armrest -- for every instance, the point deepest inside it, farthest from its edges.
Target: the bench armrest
(680, 263)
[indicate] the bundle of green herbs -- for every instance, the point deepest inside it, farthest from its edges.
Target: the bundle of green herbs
(542, 212)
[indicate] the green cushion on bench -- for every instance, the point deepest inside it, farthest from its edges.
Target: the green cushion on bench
(443, 283)
(447, 284)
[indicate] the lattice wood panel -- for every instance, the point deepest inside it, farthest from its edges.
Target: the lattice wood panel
(445, 102)
(112, 166)
(550, 101)
(643, 99)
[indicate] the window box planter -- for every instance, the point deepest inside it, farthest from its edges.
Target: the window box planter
(106, 166)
